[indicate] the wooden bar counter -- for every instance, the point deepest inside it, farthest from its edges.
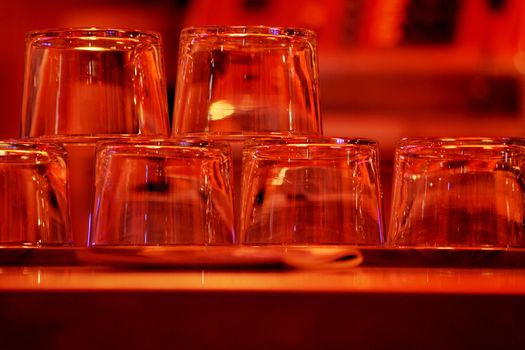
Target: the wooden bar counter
(366, 307)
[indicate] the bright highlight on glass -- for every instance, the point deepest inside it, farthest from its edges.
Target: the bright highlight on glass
(246, 80)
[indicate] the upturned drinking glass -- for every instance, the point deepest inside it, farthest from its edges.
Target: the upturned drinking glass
(87, 84)
(247, 80)
(459, 193)
(92, 81)
(33, 197)
(162, 192)
(311, 191)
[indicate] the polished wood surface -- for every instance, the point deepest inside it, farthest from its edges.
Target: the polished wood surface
(357, 308)
(484, 281)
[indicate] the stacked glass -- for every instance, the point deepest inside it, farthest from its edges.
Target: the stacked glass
(257, 89)
(89, 84)
(246, 162)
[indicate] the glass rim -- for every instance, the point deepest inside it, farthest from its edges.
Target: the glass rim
(246, 30)
(421, 146)
(439, 141)
(92, 32)
(268, 148)
(226, 136)
(179, 142)
(30, 144)
(90, 138)
(25, 146)
(314, 140)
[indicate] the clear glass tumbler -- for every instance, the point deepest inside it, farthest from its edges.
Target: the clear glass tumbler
(83, 85)
(91, 81)
(458, 193)
(162, 192)
(311, 191)
(33, 196)
(247, 80)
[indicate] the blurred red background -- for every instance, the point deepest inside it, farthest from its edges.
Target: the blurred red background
(388, 68)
